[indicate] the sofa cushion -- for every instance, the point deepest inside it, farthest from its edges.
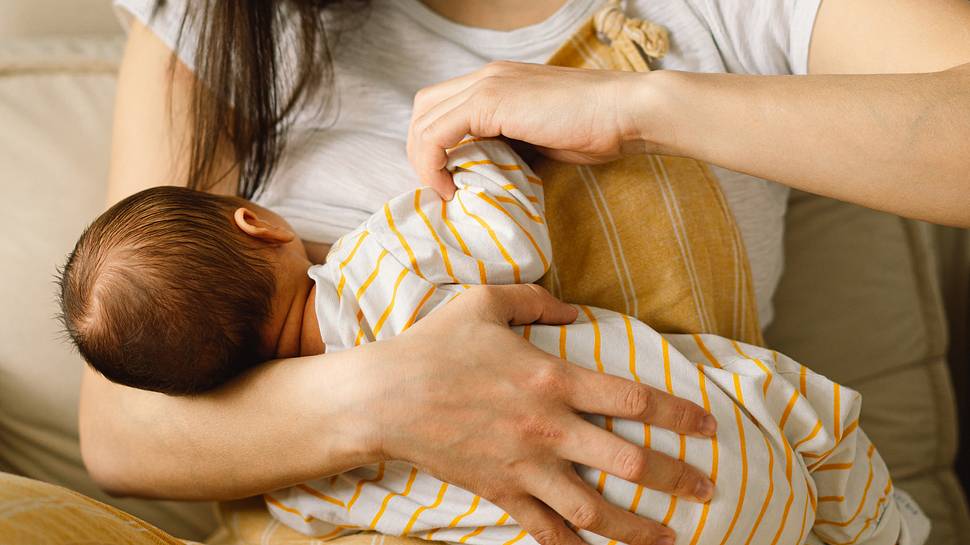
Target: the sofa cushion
(860, 303)
(55, 102)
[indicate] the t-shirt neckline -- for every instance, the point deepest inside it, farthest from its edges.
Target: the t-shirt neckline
(519, 43)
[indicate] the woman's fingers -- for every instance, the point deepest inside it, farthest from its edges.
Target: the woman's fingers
(540, 521)
(439, 128)
(586, 509)
(519, 304)
(633, 463)
(598, 393)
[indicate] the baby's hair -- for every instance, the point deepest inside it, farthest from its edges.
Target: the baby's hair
(163, 292)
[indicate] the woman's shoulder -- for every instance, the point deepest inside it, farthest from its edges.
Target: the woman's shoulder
(167, 20)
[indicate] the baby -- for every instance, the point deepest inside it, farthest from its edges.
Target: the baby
(178, 292)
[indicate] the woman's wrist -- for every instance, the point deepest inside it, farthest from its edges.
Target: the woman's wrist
(652, 109)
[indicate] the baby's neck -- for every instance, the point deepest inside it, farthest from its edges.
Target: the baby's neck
(311, 341)
(300, 334)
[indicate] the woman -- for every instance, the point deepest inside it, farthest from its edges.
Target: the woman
(288, 422)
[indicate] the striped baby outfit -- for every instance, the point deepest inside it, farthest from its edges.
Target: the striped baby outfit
(790, 461)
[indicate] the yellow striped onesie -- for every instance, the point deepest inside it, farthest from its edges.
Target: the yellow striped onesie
(789, 459)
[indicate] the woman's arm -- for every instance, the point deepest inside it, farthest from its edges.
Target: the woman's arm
(459, 377)
(896, 141)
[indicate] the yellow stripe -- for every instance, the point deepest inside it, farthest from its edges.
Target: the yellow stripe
(360, 292)
(837, 416)
(390, 306)
(402, 240)
(821, 457)
(518, 536)
(632, 349)
(771, 490)
(336, 530)
(562, 342)
(788, 409)
(757, 362)
(597, 340)
(528, 235)
(834, 467)
(744, 457)
(791, 491)
(316, 493)
(353, 252)
(875, 513)
(802, 374)
(483, 277)
(471, 509)
(801, 532)
(362, 482)
(275, 502)
(810, 436)
(865, 494)
(501, 166)
(370, 278)
(434, 234)
(831, 498)
(501, 520)
(417, 309)
(707, 353)
(423, 508)
(491, 234)
(665, 349)
(389, 497)
(597, 346)
(516, 203)
(707, 506)
(470, 140)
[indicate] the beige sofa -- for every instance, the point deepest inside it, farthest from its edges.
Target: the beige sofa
(867, 297)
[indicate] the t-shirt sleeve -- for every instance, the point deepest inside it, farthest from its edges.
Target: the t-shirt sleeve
(761, 36)
(165, 20)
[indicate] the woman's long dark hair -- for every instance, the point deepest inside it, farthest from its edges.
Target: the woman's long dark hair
(243, 96)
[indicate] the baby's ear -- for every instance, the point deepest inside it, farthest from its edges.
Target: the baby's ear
(249, 222)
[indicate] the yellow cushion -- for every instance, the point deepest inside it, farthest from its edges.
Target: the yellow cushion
(37, 513)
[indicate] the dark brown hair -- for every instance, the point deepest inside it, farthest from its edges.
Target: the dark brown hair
(246, 88)
(163, 292)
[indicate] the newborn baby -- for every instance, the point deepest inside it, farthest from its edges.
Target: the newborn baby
(177, 291)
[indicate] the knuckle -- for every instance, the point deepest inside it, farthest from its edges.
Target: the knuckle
(421, 96)
(549, 378)
(495, 68)
(533, 427)
(488, 88)
(631, 463)
(587, 516)
(637, 401)
(682, 417)
(682, 478)
(549, 536)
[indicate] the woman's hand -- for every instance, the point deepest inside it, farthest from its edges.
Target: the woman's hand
(574, 115)
(476, 405)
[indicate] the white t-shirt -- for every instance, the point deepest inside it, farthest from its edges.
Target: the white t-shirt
(343, 163)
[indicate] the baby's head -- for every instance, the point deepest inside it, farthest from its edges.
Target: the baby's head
(175, 290)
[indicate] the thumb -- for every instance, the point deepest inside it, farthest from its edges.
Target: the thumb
(521, 304)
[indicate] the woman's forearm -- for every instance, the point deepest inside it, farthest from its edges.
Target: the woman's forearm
(274, 428)
(895, 142)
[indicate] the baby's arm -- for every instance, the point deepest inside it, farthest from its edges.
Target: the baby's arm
(493, 232)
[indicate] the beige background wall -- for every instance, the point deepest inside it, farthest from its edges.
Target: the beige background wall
(56, 17)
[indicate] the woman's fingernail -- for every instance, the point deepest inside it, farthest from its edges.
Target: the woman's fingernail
(709, 426)
(704, 490)
(665, 540)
